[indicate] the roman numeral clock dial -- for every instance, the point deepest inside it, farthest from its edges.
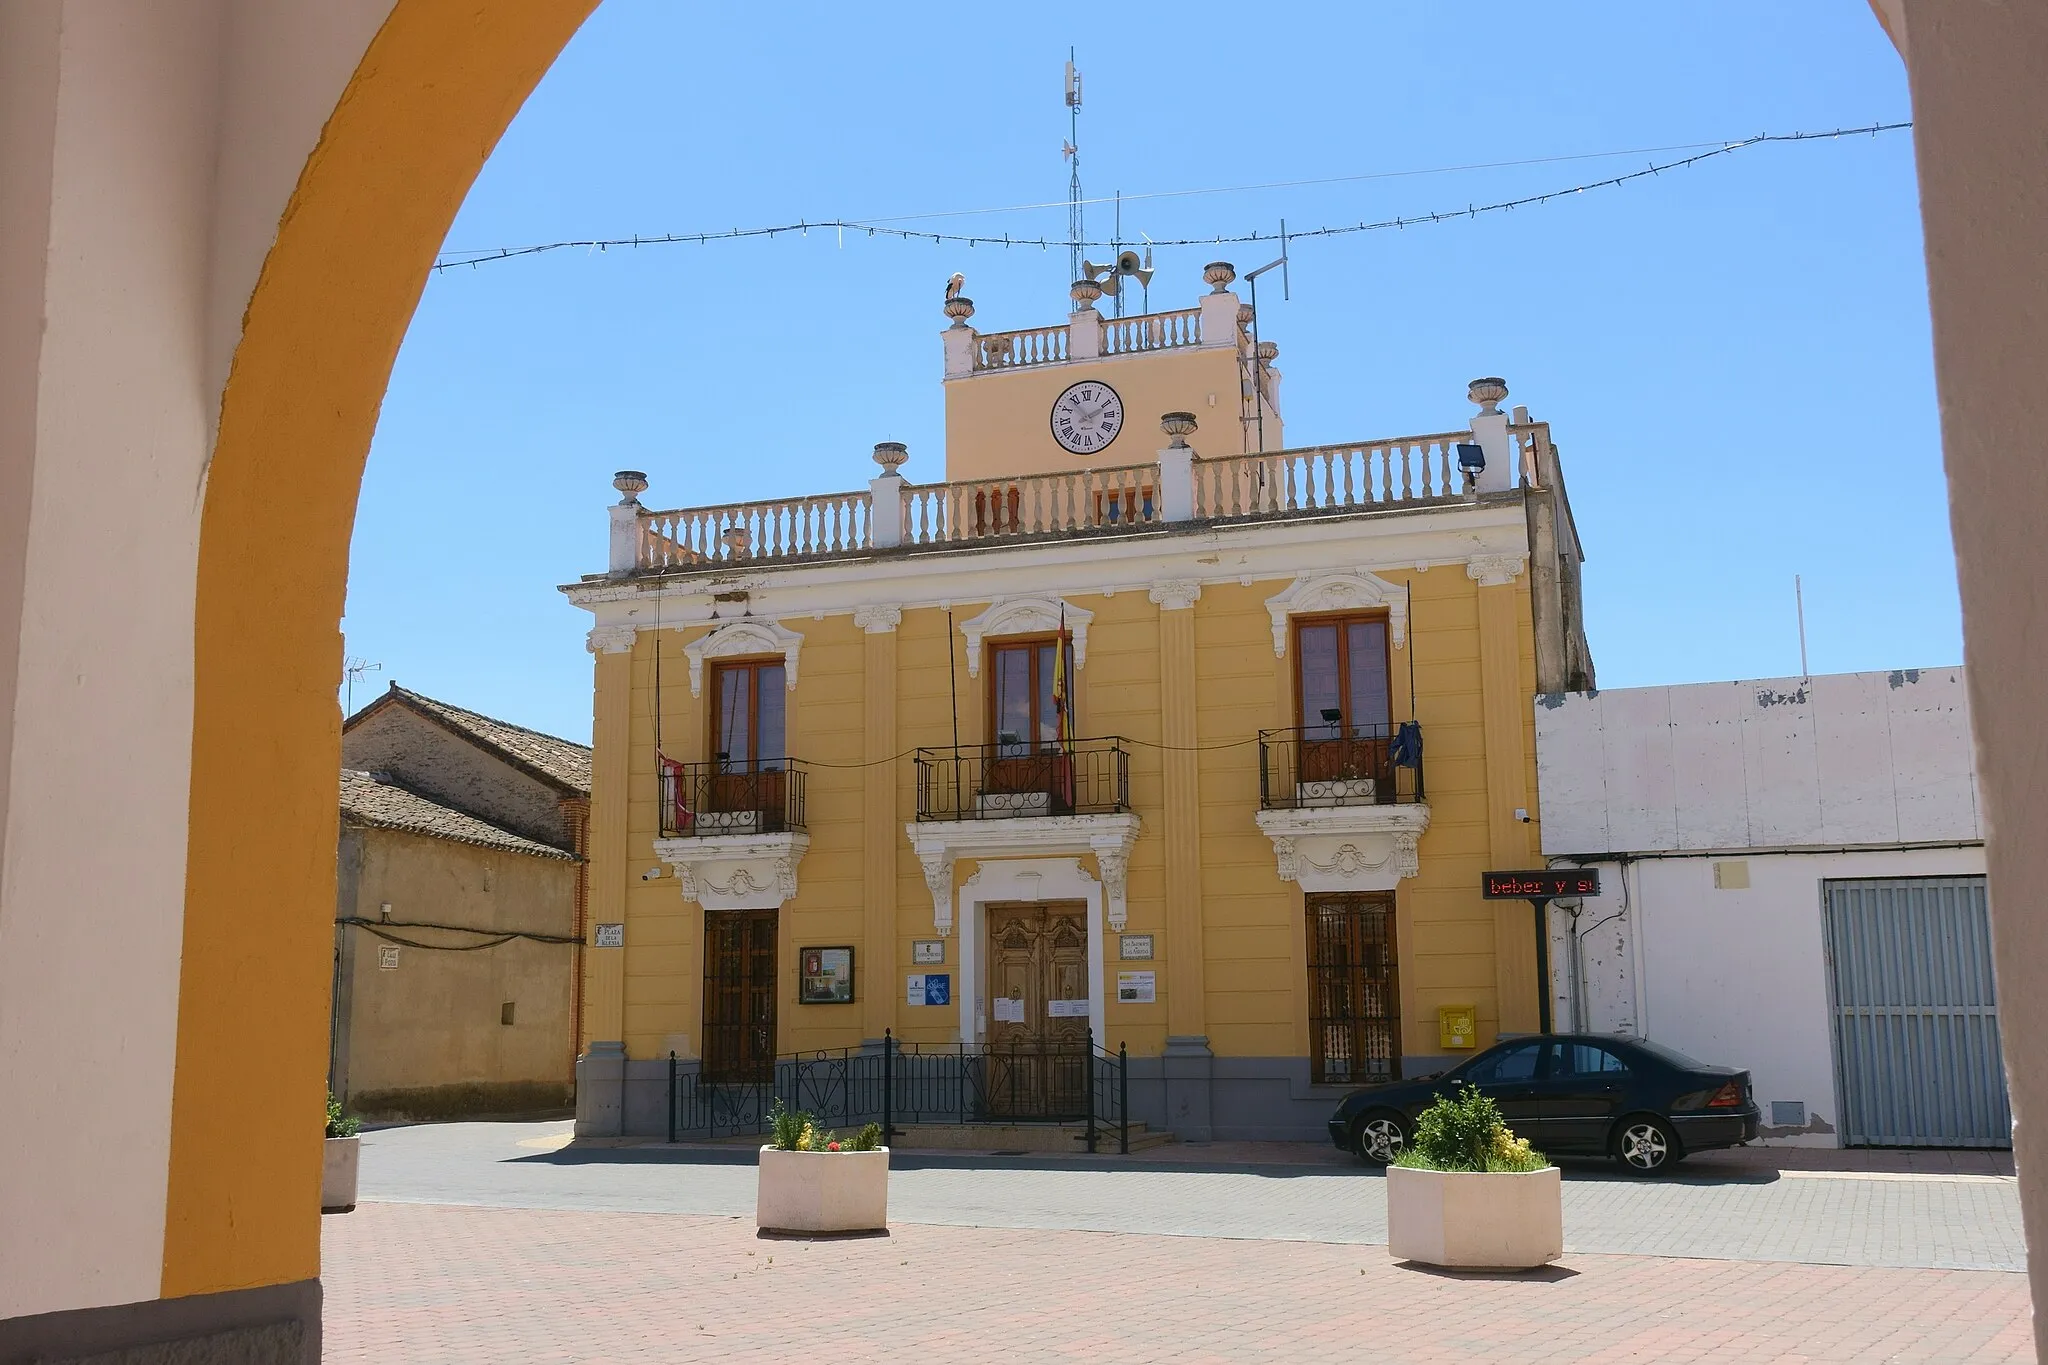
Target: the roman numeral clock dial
(1087, 417)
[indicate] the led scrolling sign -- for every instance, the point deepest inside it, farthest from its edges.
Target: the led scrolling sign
(1543, 885)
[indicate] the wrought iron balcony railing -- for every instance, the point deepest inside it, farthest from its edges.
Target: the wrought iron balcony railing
(725, 797)
(1333, 764)
(1007, 781)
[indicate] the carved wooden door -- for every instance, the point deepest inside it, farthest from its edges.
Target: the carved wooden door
(739, 995)
(1038, 1005)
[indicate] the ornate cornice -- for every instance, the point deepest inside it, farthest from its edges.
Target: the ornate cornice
(939, 844)
(1026, 616)
(1494, 571)
(734, 639)
(736, 871)
(1175, 594)
(1346, 848)
(1343, 590)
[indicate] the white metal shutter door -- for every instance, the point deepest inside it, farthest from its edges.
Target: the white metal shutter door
(1916, 1014)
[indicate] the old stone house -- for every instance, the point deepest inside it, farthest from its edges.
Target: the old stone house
(459, 913)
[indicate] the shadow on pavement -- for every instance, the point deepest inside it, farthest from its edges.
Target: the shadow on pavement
(1548, 1274)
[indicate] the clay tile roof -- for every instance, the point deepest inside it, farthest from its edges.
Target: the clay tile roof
(561, 761)
(368, 799)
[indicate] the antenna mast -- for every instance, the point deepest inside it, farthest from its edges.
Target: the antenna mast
(1072, 152)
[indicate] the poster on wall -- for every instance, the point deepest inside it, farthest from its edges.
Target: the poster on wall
(1136, 988)
(825, 976)
(928, 988)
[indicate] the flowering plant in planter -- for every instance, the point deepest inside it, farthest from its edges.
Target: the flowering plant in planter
(792, 1130)
(1465, 1132)
(811, 1181)
(1468, 1192)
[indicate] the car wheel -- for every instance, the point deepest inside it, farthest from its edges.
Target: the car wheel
(1645, 1145)
(1379, 1137)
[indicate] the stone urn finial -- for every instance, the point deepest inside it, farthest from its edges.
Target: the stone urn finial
(1178, 425)
(1269, 351)
(959, 310)
(631, 483)
(1487, 393)
(1219, 274)
(891, 455)
(1084, 294)
(1244, 315)
(735, 539)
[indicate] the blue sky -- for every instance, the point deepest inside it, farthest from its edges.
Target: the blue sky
(1735, 357)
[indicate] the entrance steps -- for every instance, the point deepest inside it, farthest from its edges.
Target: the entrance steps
(1023, 1137)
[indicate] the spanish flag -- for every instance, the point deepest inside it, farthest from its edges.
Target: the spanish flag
(1063, 710)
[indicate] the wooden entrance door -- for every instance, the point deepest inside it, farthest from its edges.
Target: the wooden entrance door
(1038, 1007)
(739, 995)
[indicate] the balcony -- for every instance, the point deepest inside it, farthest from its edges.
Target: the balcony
(1330, 765)
(1015, 780)
(894, 515)
(723, 798)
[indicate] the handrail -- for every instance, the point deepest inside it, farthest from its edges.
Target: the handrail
(1114, 498)
(1403, 470)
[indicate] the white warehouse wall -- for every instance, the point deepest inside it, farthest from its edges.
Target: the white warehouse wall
(1734, 977)
(1784, 782)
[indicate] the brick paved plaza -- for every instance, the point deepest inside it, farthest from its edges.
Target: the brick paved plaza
(532, 1254)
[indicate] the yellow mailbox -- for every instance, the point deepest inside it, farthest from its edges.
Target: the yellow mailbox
(1457, 1025)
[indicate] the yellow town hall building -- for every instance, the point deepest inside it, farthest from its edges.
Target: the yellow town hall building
(1142, 731)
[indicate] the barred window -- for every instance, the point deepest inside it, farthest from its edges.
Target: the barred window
(1354, 994)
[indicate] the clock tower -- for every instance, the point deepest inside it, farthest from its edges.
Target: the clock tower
(1088, 393)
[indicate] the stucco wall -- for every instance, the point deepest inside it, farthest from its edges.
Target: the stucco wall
(425, 1037)
(455, 771)
(1841, 759)
(1735, 977)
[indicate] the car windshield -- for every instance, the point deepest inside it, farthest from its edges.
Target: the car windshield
(1669, 1054)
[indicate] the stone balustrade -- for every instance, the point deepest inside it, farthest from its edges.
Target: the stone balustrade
(1180, 487)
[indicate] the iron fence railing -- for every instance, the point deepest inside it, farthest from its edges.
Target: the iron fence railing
(1012, 779)
(1333, 764)
(920, 1084)
(728, 796)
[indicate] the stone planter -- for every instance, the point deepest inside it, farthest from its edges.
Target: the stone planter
(823, 1191)
(338, 1175)
(1473, 1221)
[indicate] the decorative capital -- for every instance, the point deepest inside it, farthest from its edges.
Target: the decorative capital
(1175, 594)
(878, 620)
(610, 639)
(1494, 571)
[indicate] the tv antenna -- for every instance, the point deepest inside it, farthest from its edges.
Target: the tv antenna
(351, 669)
(1255, 364)
(1071, 150)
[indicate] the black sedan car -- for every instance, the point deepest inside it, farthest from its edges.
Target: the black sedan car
(1571, 1094)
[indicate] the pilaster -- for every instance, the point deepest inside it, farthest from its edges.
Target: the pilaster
(880, 820)
(1186, 1001)
(604, 1000)
(1502, 707)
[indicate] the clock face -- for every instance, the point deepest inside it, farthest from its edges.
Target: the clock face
(1087, 417)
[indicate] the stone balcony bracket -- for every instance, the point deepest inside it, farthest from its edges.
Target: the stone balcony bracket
(736, 871)
(1346, 848)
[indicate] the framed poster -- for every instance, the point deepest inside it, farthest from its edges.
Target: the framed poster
(824, 976)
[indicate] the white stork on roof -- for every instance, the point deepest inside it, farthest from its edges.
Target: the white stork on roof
(955, 285)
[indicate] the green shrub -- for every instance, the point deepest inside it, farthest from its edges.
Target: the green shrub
(792, 1130)
(340, 1124)
(1465, 1132)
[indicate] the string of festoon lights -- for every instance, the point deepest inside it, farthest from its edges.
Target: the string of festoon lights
(842, 227)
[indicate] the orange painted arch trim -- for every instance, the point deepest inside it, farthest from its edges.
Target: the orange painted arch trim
(433, 94)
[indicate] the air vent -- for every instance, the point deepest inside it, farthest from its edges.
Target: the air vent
(1788, 1113)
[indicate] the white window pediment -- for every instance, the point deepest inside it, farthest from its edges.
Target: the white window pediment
(1344, 590)
(1025, 616)
(750, 635)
